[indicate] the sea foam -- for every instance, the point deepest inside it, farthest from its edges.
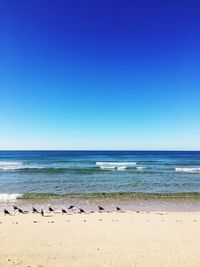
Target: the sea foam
(189, 170)
(9, 197)
(10, 165)
(115, 163)
(6, 166)
(119, 166)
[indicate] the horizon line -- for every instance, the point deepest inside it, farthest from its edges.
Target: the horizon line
(128, 150)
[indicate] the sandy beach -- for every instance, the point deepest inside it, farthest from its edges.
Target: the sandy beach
(100, 239)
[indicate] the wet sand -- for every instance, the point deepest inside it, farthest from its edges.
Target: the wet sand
(129, 204)
(100, 239)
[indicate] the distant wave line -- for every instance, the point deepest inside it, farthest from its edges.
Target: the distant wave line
(55, 170)
(120, 168)
(7, 163)
(188, 170)
(98, 163)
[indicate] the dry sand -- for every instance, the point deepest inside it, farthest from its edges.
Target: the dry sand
(106, 239)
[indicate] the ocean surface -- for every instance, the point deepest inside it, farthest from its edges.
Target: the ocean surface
(85, 172)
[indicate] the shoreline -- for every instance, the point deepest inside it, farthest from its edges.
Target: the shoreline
(114, 195)
(189, 204)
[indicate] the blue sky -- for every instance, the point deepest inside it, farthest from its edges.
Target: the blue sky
(99, 74)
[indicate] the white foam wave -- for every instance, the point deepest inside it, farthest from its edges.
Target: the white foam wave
(107, 167)
(115, 164)
(10, 165)
(9, 197)
(7, 163)
(189, 170)
(140, 168)
(20, 166)
(10, 168)
(121, 168)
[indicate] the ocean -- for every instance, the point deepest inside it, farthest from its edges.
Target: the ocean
(33, 174)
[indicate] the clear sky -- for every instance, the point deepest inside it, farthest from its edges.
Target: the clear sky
(99, 74)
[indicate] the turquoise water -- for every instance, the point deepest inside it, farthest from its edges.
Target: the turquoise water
(64, 172)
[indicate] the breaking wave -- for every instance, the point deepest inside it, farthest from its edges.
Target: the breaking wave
(189, 170)
(110, 163)
(9, 197)
(10, 165)
(119, 166)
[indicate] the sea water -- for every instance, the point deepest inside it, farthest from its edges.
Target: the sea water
(85, 172)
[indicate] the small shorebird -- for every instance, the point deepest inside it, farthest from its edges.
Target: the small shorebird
(100, 208)
(71, 207)
(35, 210)
(15, 207)
(6, 212)
(81, 211)
(42, 212)
(20, 210)
(64, 211)
(118, 209)
(50, 209)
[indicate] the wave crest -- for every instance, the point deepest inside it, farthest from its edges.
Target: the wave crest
(110, 163)
(10, 165)
(9, 197)
(188, 170)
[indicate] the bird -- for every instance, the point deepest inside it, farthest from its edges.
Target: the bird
(71, 207)
(42, 212)
(100, 208)
(50, 209)
(6, 212)
(64, 211)
(15, 207)
(20, 210)
(81, 211)
(118, 209)
(34, 210)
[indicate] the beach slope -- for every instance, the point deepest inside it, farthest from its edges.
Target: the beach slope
(101, 239)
